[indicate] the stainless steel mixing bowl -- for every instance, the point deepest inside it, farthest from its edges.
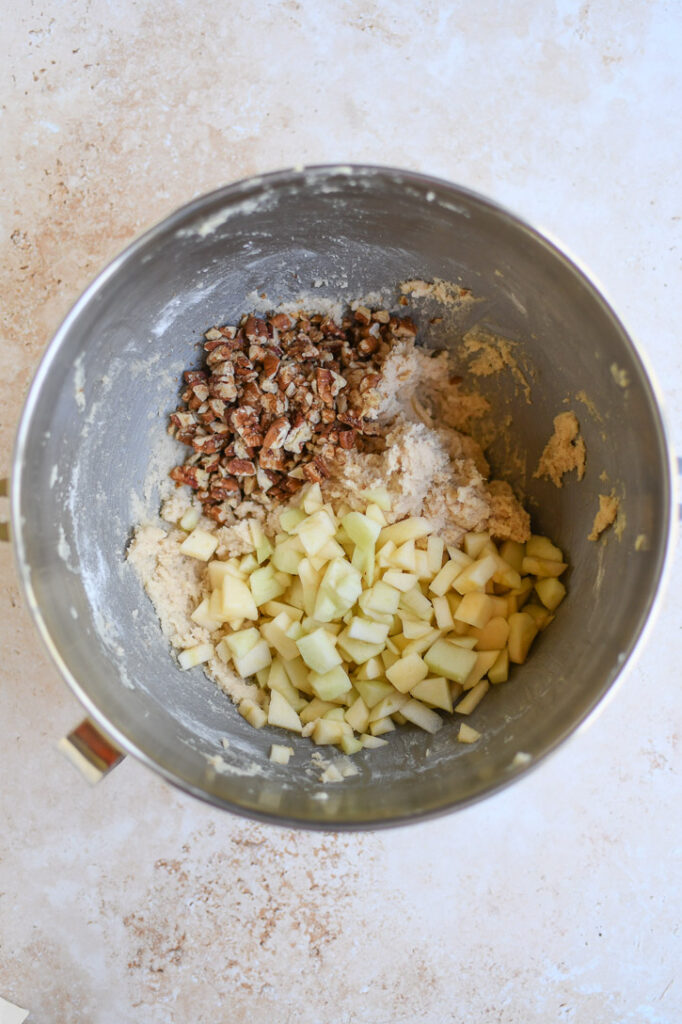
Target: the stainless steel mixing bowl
(93, 435)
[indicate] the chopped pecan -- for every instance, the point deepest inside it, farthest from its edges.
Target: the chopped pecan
(241, 467)
(193, 376)
(190, 475)
(316, 471)
(347, 439)
(270, 365)
(272, 458)
(281, 321)
(323, 380)
(207, 443)
(223, 488)
(277, 433)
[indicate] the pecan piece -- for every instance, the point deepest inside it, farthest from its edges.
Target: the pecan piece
(281, 321)
(277, 433)
(323, 380)
(270, 365)
(208, 443)
(241, 467)
(190, 475)
(316, 471)
(193, 376)
(347, 439)
(224, 488)
(272, 458)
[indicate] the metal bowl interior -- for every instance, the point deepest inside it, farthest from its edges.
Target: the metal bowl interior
(92, 451)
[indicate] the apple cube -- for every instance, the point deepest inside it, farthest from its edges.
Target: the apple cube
(466, 734)
(406, 529)
(279, 680)
(357, 715)
(315, 531)
(522, 632)
(402, 581)
(449, 660)
(404, 557)
(290, 518)
(474, 543)
(357, 650)
(379, 496)
(373, 690)
(413, 600)
(350, 744)
(391, 703)
(312, 499)
(280, 754)
(196, 655)
(372, 742)
(407, 672)
(199, 544)
(543, 567)
(253, 714)
(473, 698)
(288, 555)
(237, 600)
(190, 519)
(475, 609)
(435, 692)
(493, 636)
(253, 661)
(418, 713)
(264, 585)
(476, 575)
(318, 651)
(370, 632)
(513, 553)
(484, 661)
(203, 617)
(329, 732)
(330, 685)
(362, 530)
(551, 592)
(499, 672)
(275, 633)
(444, 579)
(217, 571)
(281, 713)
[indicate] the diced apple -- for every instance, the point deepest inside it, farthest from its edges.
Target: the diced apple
(329, 732)
(551, 592)
(475, 609)
(370, 632)
(275, 608)
(402, 581)
(404, 557)
(422, 644)
(406, 529)
(279, 680)
(340, 588)
(199, 544)
(265, 586)
(544, 567)
(441, 607)
(335, 714)
(279, 754)
(540, 615)
(237, 600)
(476, 575)
(374, 512)
(407, 672)
(466, 734)
(217, 571)
(484, 661)
(505, 575)
(275, 634)
(197, 655)
(499, 672)
(203, 617)
(297, 671)
(373, 690)
(446, 659)
(522, 632)
(380, 598)
(434, 691)
(373, 668)
(379, 496)
(389, 705)
(315, 709)
(357, 715)
(422, 716)
(350, 744)
(435, 550)
(312, 499)
(415, 629)
(357, 650)
(330, 685)
(290, 518)
(443, 581)
(254, 660)
(381, 726)
(542, 547)
(383, 558)
(288, 555)
(474, 543)
(473, 698)
(318, 651)
(361, 530)
(261, 543)
(513, 553)
(281, 713)
(253, 714)
(315, 531)
(372, 742)
(242, 641)
(493, 636)
(417, 603)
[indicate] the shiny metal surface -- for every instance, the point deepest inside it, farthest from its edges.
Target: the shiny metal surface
(93, 430)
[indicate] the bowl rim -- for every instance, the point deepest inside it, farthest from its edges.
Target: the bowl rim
(234, 193)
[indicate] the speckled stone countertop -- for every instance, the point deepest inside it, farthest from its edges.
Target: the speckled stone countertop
(557, 900)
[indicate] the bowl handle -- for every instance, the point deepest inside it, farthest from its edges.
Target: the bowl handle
(90, 751)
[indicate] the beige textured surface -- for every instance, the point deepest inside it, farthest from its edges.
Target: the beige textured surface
(555, 901)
